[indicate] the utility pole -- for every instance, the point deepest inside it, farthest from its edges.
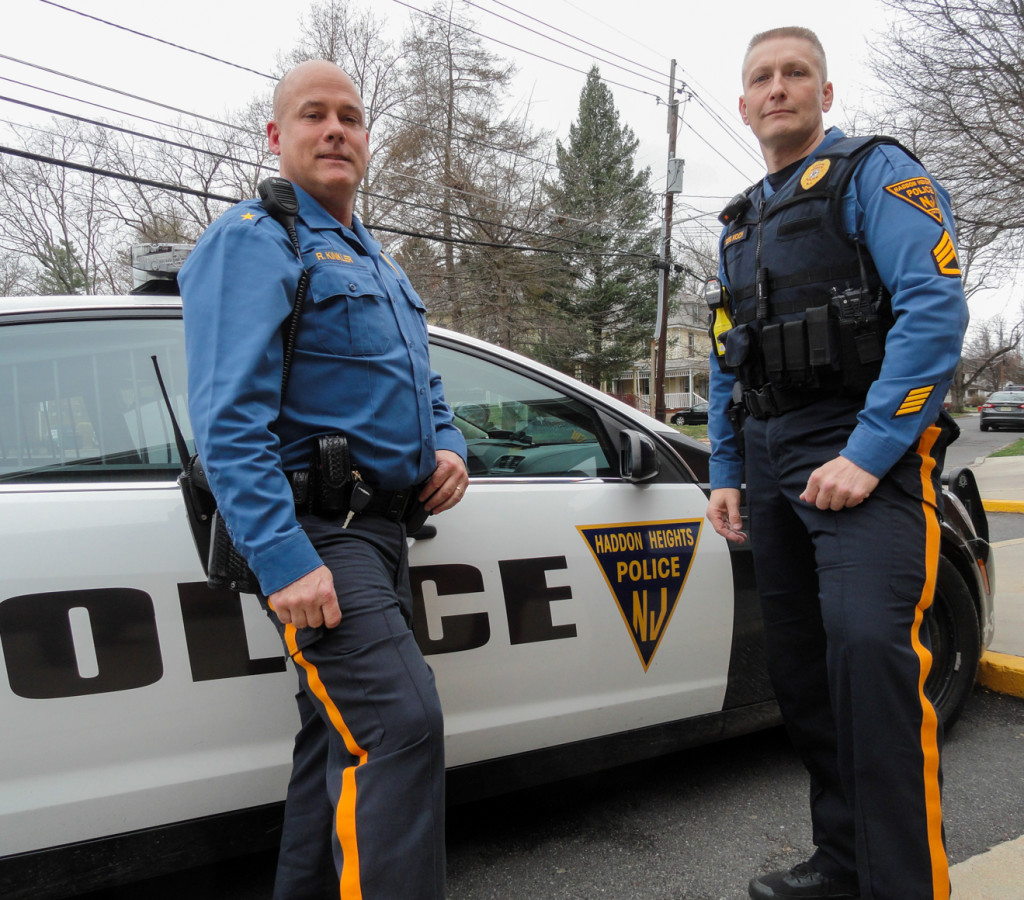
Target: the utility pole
(674, 178)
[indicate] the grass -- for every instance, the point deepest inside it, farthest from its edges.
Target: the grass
(1014, 449)
(699, 432)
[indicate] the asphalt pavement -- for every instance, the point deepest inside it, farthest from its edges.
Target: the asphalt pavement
(999, 873)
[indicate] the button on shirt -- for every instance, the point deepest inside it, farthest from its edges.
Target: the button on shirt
(360, 367)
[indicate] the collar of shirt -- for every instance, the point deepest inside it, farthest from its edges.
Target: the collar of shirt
(316, 218)
(774, 181)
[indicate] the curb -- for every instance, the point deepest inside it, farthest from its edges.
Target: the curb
(1013, 506)
(1002, 673)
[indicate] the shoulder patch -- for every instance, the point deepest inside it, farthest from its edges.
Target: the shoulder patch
(814, 173)
(920, 193)
(735, 237)
(944, 254)
(914, 401)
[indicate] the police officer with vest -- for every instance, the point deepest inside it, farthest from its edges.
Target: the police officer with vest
(837, 324)
(362, 418)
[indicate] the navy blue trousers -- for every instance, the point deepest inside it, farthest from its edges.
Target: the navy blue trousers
(364, 817)
(843, 596)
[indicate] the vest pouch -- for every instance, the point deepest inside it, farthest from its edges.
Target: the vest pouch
(821, 350)
(862, 346)
(794, 345)
(737, 346)
(772, 352)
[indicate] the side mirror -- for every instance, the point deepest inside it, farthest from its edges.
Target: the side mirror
(638, 457)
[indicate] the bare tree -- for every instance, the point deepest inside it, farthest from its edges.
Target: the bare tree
(449, 131)
(227, 162)
(52, 217)
(992, 355)
(13, 276)
(953, 76)
(355, 39)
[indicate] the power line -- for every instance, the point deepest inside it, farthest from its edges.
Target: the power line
(119, 92)
(159, 40)
(429, 15)
(231, 126)
(659, 75)
(181, 189)
(425, 126)
(122, 130)
(130, 115)
(258, 165)
(120, 176)
(556, 41)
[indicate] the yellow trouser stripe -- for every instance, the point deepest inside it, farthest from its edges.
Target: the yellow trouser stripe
(929, 720)
(345, 815)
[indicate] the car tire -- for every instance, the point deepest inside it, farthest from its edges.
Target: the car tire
(677, 419)
(984, 426)
(952, 623)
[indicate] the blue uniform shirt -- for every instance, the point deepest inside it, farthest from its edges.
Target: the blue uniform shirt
(915, 256)
(360, 367)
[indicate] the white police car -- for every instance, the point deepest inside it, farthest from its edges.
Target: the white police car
(576, 607)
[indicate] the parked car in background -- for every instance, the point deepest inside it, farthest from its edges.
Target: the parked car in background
(1003, 409)
(576, 608)
(692, 415)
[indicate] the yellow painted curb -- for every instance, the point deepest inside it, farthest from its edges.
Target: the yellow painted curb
(1016, 506)
(1002, 672)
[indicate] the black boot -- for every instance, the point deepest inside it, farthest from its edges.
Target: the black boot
(802, 883)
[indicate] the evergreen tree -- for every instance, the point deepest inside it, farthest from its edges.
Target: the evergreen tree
(606, 207)
(61, 272)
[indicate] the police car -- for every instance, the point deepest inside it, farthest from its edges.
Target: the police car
(577, 609)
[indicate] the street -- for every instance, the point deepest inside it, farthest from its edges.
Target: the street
(690, 826)
(974, 443)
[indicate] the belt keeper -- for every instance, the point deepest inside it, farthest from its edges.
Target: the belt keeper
(300, 489)
(399, 502)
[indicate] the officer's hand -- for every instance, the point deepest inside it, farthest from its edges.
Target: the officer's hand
(308, 602)
(724, 514)
(447, 485)
(837, 484)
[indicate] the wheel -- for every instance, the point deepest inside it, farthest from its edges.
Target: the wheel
(952, 623)
(677, 419)
(984, 426)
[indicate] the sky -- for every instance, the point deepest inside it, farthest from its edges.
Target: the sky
(707, 41)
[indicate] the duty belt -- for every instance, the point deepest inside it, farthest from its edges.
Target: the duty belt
(398, 506)
(769, 401)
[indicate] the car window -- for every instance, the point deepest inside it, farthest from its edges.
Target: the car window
(79, 400)
(1007, 397)
(517, 426)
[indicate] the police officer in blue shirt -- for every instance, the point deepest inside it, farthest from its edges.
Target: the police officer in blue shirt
(365, 810)
(837, 325)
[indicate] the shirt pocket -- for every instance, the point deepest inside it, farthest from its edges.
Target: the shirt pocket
(352, 315)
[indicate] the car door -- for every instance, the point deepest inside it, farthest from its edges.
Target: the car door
(131, 694)
(559, 601)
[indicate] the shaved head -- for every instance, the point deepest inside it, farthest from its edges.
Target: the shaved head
(791, 31)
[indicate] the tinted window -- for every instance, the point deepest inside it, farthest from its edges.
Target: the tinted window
(516, 426)
(80, 400)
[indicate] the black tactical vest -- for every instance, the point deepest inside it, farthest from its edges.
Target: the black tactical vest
(809, 311)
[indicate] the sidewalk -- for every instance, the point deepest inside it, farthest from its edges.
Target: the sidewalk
(999, 873)
(1001, 484)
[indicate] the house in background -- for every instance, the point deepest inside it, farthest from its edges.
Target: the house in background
(686, 362)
